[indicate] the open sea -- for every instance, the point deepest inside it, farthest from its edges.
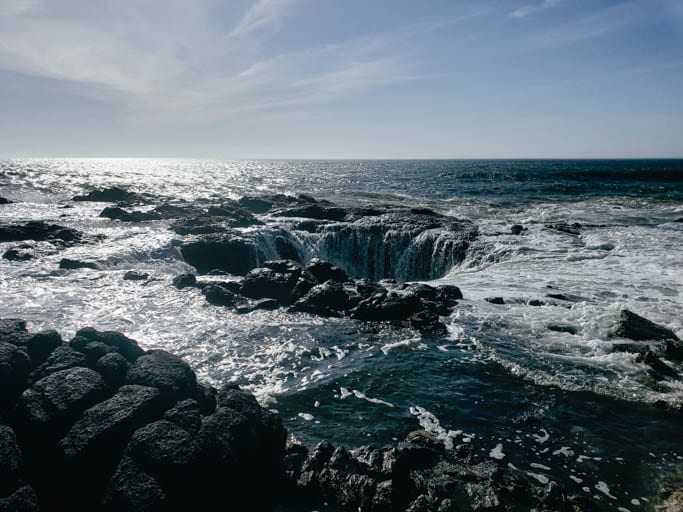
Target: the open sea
(562, 406)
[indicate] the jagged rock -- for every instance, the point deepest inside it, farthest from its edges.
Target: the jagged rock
(113, 367)
(266, 283)
(23, 499)
(428, 323)
(134, 490)
(229, 253)
(166, 372)
(133, 275)
(11, 464)
(94, 350)
(660, 368)
(70, 264)
(185, 281)
(108, 195)
(40, 345)
(38, 231)
(18, 254)
(637, 328)
(15, 366)
(49, 407)
(325, 271)
(61, 358)
(13, 330)
(388, 307)
(185, 414)
(263, 204)
(674, 350)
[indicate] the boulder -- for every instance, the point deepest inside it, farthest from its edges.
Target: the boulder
(131, 489)
(517, 229)
(637, 328)
(569, 329)
(113, 367)
(127, 347)
(18, 254)
(232, 254)
(219, 295)
(660, 370)
(185, 281)
(71, 264)
(94, 350)
(11, 463)
(38, 231)
(186, 415)
(388, 307)
(48, 408)
(328, 299)
(61, 358)
(674, 350)
(13, 330)
(116, 213)
(265, 283)
(172, 376)
(495, 300)
(108, 195)
(4, 200)
(325, 271)
(134, 275)
(23, 499)
(15, 366)
(40, 345)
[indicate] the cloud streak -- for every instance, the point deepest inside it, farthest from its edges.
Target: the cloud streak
(530, 9)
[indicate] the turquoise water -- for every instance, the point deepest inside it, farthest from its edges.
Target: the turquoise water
(561, 406)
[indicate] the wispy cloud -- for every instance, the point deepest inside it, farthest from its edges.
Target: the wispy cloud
(264, 15)
(527, 10)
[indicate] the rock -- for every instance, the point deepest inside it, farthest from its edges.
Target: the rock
(328, 299)
(13, 330)
(94, 350)
(133, 275)
(70, 264)
(4, 200)
(659, 367)
(314, 211)
(263, 204)
(517, 229)
(634, 348)
(535, 302)
(48, 408)
(61, 358)
(93, 446)
(234, 215)
(17, 254)
(674, 350)
(23, 499)
(15, 366)
(166, 372)
(495, 300)
(219, 295)
(324, 271)
(113, 367)
(116, 213)
(108, 195)
(185, 281)
(40, 346)
(265, 283)
(131, 489)
(428, 323)
(11, 463)
(572, 229)
(206, 398)
(637, 328)
(186, 415)
(569, 329)
(230, 253)
(388, 307)
(39, 231)
(126, 346)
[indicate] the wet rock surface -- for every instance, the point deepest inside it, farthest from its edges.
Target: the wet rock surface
(38, 231)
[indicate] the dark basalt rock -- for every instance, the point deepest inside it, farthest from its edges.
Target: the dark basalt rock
(13, 330)
(39, 231)
(23, 499)
(185, 281)
(186, 414)
(263, 204)
(517, 229)
(495, 300)
(674, 350)
(18, 254)
(48, 408)
(266, 283)
(113, 367)
(166, 372)
(61, 358)
(41, 345)
(116, 213)
(134, 275)
(70, 264)
(659, 368)
(314, 211)
(572, 229)
(388, 307)
(127, 347)
(15, 366)
(132, 489)
(108, 195)
(11, 462)
(637, 328)
(4, 200)
(220, 295)
(569, 329)
(325, 271)
(328, 299)
(224, 252)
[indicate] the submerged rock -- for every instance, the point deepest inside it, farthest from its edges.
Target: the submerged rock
(637, 328)
(134, 275)
(70, 264)
(38, 231)
(108, 195)
(18, 254)
(4, 200)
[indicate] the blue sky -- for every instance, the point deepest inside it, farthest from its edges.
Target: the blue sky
(341, 78)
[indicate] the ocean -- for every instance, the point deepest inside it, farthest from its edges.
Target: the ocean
(556, 402)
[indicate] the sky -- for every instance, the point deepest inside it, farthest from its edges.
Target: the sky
(341, 78)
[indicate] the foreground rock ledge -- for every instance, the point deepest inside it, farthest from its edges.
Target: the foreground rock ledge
(97, 423)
